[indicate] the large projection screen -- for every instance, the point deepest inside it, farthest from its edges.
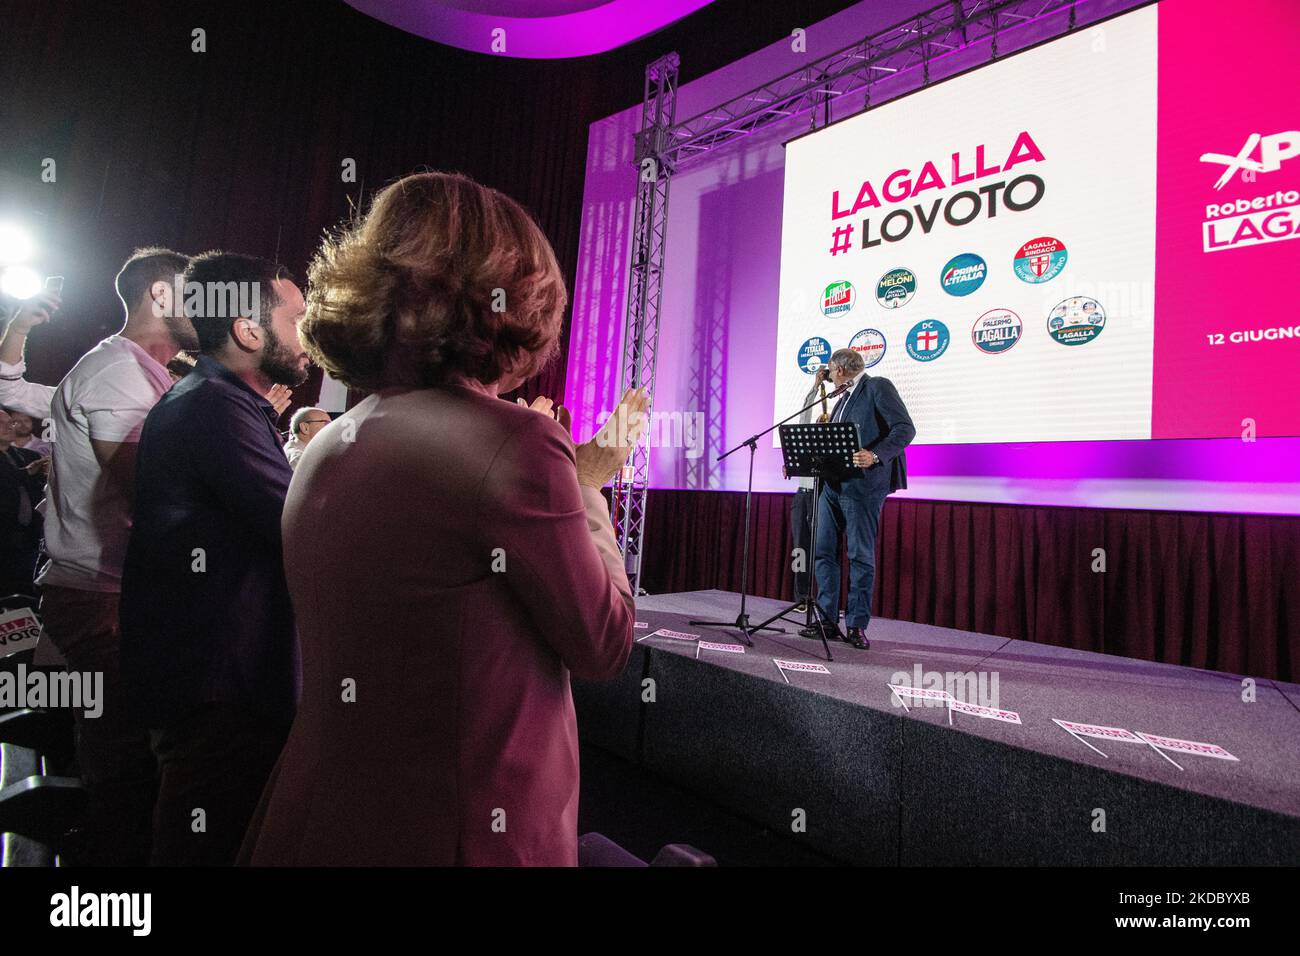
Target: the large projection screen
(1046, 249)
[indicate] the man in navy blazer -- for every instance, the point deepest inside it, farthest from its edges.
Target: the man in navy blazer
(852, 500)
(209, 650)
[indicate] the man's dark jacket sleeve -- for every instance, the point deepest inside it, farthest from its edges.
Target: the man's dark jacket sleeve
(889, 405)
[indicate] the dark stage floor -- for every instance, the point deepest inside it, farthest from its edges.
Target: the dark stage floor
(924, 783)
(1039, 682)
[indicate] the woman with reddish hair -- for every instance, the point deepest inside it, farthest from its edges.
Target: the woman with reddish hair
(449, 554)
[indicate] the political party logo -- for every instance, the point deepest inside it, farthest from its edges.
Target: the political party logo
(997, 331)
(1273, 150)
(838, 297)
(963, 274)
(1040, 260)
(927, 340)
(896, 288)
(814, 353)
(1076, 321)
(870, 344)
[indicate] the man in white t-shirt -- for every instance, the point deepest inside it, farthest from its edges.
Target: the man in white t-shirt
(97, 413)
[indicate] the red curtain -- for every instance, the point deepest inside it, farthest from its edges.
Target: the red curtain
(1212, 591)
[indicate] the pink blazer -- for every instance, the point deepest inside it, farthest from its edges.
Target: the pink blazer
(447, 573)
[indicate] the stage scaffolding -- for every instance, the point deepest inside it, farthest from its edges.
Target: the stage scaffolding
(877, 68)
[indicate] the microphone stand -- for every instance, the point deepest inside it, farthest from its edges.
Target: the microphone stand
(741, 622)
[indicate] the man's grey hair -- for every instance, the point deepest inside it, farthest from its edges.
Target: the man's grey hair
(300, 416)
(848, 360)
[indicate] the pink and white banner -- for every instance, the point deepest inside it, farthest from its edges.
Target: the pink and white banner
(1093, 239)
(1186, 746)
(988, 713)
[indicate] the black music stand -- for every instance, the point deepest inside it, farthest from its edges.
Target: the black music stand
(818, 450)
(741, 623)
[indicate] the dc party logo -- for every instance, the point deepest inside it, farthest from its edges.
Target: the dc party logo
(814, 353)
(1076, 321)
(1040, 260)
(896, 288)
(838, 297)
(997, 331)
(927, 340)
(870, 344)
(963, 274)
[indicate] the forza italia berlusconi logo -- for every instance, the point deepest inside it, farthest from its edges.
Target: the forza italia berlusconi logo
(838, 298)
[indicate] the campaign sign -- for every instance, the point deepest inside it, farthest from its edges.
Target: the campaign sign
(996, 331)
(804, 666)
(918, 693)
(813, 354)
(673, 635)
(870, 344)
(725, 648)
(988, 713)
(1096, 730)
(1040, 260)
(19, 631)
(838, 297)
(1079, 731)
(927, 340)
(1187, 746)
(1076, 321)
(963, 274)
(896, 288)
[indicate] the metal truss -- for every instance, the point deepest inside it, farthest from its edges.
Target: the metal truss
(871, 67)
(645, 293)
(914, 44)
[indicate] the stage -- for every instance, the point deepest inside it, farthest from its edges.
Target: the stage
(837, 763)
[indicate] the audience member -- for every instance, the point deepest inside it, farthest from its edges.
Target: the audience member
(22, 484)
(97, 413)
(209, 655)
(305, 424)
(25, 435)
(486, 571)
(182, 364)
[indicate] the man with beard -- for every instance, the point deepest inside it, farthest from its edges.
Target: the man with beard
(209, 653)
(96, 413)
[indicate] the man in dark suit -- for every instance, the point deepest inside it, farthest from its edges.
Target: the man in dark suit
(851, 501)
(209, 651)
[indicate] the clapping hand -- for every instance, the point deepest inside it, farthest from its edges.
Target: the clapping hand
(540, 404)
(601, 458)
(279, 396)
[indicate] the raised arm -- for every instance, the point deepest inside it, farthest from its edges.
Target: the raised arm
(542, 505)
(15, 391)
